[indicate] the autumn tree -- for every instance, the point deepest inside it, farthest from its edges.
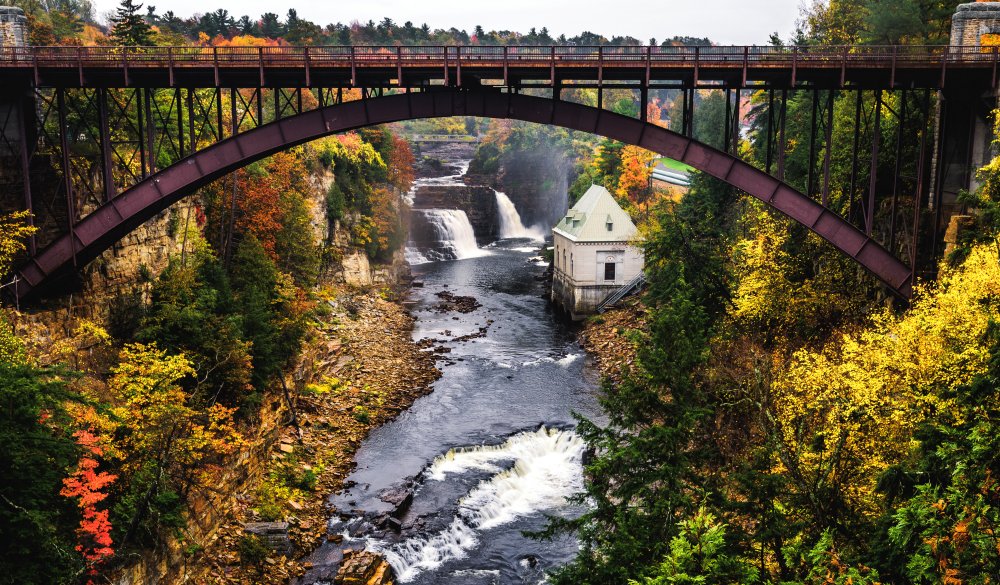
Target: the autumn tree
(14, 230)
(36, 523)
(634, 182)
(87, 486)
(172, 445)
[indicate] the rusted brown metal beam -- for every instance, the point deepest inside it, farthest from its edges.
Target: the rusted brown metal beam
(106, 225)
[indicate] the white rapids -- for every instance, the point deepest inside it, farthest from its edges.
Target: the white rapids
(546, 470)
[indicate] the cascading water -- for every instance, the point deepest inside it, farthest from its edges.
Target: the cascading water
(511, 225)
(546, 471)
(451, 235)
(440, 513)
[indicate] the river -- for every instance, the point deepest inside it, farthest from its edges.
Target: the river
(491, 450)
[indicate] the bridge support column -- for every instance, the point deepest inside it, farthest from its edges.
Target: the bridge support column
(964, 134)
(17, 131)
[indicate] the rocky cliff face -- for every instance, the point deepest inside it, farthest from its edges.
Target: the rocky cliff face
(131, 265)
(537, 183)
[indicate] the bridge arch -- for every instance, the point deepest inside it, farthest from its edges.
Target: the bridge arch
(113, 220)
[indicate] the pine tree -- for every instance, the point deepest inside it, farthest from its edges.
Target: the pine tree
(130, 28)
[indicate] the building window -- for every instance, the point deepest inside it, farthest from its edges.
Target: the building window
(609, 271)
(611, 226)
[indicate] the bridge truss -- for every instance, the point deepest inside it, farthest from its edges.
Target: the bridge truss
(83, 127)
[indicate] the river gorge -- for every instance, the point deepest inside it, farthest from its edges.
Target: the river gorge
(445, 491)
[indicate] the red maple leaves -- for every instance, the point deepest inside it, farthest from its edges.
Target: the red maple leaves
(86, 484)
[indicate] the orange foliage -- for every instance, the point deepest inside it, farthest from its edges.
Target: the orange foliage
(86, 484)
(385, 211)
(259, 206)
(244, 41)
(400, 164)
(633, 184)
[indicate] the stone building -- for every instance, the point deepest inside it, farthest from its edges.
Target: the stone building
(594, 253)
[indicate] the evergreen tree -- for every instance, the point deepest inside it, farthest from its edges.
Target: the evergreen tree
(130, 28)
(270, 26)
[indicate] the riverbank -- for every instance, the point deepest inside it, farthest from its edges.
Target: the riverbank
(610, 338)
(359, 369)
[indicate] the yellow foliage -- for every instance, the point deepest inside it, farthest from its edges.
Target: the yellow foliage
(988, 41)
(847, 411)
(155, 420)
(764, 298)
(14, 229)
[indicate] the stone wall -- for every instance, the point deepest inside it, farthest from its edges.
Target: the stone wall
(972, 21)
(130, 264)
(13, 27)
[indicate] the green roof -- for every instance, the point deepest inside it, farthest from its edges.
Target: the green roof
(596, 217)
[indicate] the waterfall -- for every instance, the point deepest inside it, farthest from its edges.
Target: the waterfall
(546, 471)
(451, 235)
(510, 221)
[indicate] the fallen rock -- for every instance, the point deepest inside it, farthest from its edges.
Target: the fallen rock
(274, 535)
(453, 302)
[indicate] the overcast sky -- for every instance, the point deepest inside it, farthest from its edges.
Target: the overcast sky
(723, 21)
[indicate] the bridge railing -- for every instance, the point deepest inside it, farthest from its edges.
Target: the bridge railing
(386, 56)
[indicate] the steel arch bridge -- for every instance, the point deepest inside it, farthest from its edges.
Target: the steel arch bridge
(165, 107)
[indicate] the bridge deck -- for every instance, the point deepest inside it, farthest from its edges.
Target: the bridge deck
(742, 66)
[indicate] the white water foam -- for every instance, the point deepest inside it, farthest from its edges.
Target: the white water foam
(563, 361)
(547, 469)
(415, 257)
(453, 232)
(511, 225)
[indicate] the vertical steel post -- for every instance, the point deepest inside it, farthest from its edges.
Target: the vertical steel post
(27, 112)
(140, 128)
(220, 131)
(854, 153)
(260, 105)
(150, 139)
(769, 148)
(644, 103)
(234, 125)
(919, 196)
(782, 145)
(736, 123)
(829, 148)
(190, 106)
(67, 170)
(898, 171)
(104, 127)
(873, 172)
(813, 128)
(726, 136)
(937, 177)
(690, 116)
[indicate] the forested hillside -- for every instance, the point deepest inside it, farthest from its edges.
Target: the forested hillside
(783, 422)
